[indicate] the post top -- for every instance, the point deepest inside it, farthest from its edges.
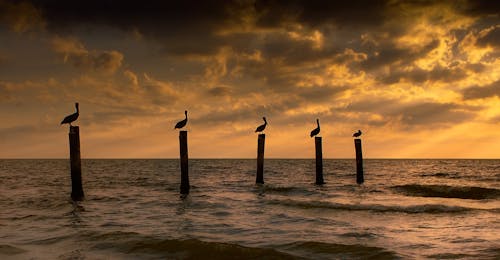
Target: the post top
(74, 129)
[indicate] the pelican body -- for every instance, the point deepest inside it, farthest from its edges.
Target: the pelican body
(182, 123)
(261, 127)
(357, 134)
(71, 118)
(316, 130)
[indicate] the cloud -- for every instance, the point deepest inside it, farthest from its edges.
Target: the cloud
(314, 13)
(490, 37)
(487, 91)
(220, 91)
(418, 75)
(5, 91)
(132, 78)
(319, 93)
(480, 7)
(392, 54)
(435, 114)
(76, 54)
(380, 65)
(20, 16)
(414, 114)
(159, 92)
(3, 58)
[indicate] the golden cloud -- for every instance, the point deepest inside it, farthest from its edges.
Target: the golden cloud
(76, 54)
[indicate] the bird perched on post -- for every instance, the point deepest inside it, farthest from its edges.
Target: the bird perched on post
(71, 118)
(316, 130)
(182, 123)
(357, 134)
(261, 127)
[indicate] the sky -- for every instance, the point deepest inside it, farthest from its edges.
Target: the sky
(421, 79)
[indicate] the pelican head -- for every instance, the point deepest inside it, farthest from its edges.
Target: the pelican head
(264, 119)
(76, 106)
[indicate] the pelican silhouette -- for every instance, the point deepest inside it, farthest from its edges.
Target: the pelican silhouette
(182, 123)
(71, 118)
(316, 130)
(262, 127)
(357, 134)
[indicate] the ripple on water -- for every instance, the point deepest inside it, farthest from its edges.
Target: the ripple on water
(8, 250)
(338, 251)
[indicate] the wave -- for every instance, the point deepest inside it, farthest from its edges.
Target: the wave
(445, 191)
(134, 243)
(312, 250)
(441, 175)
(285, 190)
(11, 250)
(426, 208)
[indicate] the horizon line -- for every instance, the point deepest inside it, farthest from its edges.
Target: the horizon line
(238, 158)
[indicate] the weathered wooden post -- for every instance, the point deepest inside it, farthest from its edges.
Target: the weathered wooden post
(76, 163)
(184, 162)
(260, 158)
(359, 161)
(319, 161)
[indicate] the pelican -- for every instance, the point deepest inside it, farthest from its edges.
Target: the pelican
(357, 134)
(182, 123)
(262, 127)
(71, 118)
(316, 130)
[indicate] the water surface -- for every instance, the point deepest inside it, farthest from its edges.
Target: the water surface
(406, 209)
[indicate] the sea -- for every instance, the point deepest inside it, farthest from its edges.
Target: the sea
(406, 209)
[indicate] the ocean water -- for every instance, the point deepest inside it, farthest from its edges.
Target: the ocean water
(406, 209)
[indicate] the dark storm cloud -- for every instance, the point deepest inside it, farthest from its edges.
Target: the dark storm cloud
(479, 7)
(192, 27)
(315, 13)
(476, 92)
(208, 13)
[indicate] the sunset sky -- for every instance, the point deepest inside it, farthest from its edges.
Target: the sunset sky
(421, 79)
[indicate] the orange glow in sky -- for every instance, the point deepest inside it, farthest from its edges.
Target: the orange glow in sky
(420, 79)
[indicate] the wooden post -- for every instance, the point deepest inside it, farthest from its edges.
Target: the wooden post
(76, 163)
(260, 158)
(319, 161)
(359, 161)
(184, 162)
